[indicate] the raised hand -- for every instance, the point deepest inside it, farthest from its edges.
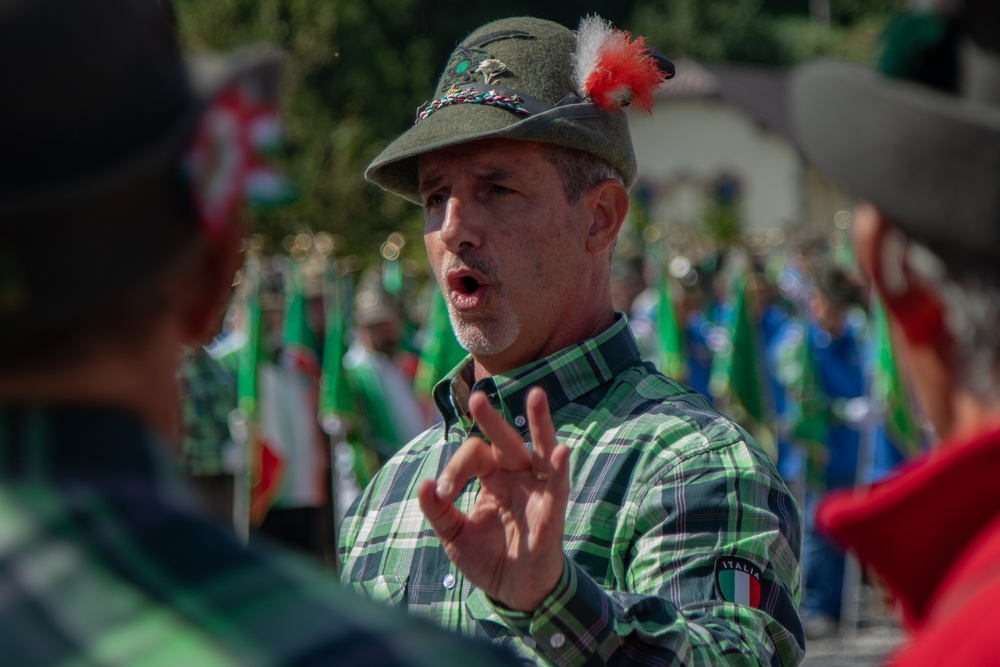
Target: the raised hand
(510, 543)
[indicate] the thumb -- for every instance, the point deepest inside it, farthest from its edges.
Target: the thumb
(444, 518)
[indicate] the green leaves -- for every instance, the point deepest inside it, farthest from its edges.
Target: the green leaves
(765, 32)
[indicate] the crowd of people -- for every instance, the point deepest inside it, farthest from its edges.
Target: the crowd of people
(511, 468)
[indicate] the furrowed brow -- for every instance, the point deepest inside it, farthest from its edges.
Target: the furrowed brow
(497, 174)
(426, 185)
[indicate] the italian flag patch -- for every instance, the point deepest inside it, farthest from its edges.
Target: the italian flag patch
(738, 580)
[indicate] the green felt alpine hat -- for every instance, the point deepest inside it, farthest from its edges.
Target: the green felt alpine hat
(920, 137)
(511, 79)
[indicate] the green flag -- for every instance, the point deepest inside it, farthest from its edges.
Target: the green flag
(888, 389)
(392, 276)
(741, 381)
(440, 352)
(249, 353)
(747, 381)
(841, 250)
(811, 423)
(670, 342)
(300, 347)
(378, 427)
(807, 406)
(336, 403)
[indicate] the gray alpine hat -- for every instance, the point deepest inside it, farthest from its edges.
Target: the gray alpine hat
(920, 137)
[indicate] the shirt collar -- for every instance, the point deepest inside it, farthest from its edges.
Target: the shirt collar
(564, 375)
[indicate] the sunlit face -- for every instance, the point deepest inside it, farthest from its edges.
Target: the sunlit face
(505, 245)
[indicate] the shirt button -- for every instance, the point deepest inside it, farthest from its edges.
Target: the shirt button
(449, 581)
(520, 421)
(557, 640)
(530, 642)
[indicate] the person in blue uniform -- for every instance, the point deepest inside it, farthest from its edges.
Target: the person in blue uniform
(829, 372)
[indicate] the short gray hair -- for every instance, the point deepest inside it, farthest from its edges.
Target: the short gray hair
(580, 170)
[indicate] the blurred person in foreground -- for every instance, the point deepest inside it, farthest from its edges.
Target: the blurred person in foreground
(105, 557)
(614, 517)
(919, 143)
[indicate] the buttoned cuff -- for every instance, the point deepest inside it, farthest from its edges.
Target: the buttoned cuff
(571, 624)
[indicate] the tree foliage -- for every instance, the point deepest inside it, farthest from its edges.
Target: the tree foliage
(766, 32)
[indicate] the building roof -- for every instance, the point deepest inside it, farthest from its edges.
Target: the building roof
(758, 91)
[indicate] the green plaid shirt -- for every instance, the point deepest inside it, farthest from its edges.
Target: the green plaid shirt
(682, 542)
(103, 561)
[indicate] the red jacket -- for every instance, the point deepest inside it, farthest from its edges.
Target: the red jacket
(932, 534)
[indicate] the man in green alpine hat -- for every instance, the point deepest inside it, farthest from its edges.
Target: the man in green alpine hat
(574, 503)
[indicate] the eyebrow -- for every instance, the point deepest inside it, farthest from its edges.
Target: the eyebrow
(498, 174)
(494, 174)
(429, 184)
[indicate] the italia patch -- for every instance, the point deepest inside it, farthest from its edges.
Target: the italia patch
(738, 580)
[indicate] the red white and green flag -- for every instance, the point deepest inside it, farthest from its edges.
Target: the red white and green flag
(738, 581)
(264, 461)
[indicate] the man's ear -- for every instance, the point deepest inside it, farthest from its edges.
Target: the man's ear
(867, 231)
(880, 248)
(915, 315)
(608, 203)
(209, 284)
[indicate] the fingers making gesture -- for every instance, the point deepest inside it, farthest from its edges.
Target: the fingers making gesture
(510, 542)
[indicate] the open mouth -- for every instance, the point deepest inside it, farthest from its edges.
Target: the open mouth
(468, 290)
(468, 284)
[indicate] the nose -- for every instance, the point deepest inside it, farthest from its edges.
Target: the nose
(459, 229)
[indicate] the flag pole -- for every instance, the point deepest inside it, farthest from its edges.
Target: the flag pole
(241, 420)
(335, 400)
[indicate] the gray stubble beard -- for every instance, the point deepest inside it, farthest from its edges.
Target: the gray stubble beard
(486, 337)
(483, 336)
